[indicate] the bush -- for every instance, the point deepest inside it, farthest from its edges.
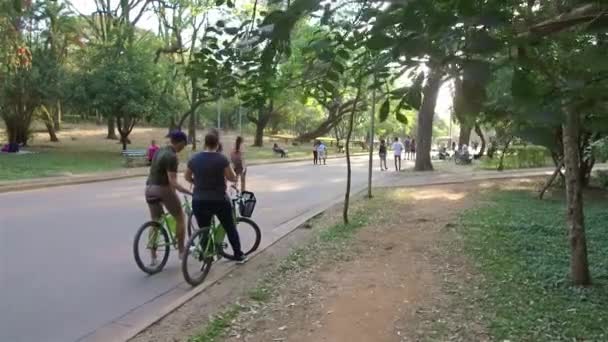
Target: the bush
(519, 157)
(601, 177)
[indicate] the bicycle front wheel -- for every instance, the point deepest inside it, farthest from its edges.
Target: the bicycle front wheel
(249, 234)
(151, 247)
(197, 261)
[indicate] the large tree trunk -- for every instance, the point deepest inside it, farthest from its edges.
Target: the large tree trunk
(49, 123)
(258, 140)
(479, 132)
(424, 136)
(464, 137)
(51, 129)
(111, 128)
(579, 266)
(261, 122)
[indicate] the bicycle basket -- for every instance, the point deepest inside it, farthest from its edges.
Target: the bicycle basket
(247, 203)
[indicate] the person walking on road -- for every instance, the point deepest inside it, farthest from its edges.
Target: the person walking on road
(315, 154)
(382, 153)
(208, 171)
(238, 162)
(162, 185)
(322, 153)
(397, 149)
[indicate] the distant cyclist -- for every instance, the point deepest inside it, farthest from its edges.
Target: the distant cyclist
(162, 185)
(208, 171)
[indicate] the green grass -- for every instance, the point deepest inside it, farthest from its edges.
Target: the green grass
(218, 325)
(57, 161)
(520, 247)
(50, 163)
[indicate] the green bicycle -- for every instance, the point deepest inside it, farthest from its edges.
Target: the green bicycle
(154, 240)
(208, 244)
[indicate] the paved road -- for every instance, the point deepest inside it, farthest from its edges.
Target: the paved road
(66, 265)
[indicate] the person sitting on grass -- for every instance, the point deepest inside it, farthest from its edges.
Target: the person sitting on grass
(278, 150)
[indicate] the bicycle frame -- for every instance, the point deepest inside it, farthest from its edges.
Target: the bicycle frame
(169, 224)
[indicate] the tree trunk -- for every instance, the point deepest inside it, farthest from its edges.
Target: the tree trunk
(51, 129)
(579, 266)
(192, 123)
(49, 123)
(424, 136)
(111, 128)
(349, 133)
(57, 117)
(260, 124)
(479, 132)
(464, 137)
(371, 148)
(501, 162)
(558, 170)
(258, 140)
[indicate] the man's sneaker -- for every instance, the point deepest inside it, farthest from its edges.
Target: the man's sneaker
(241, 259)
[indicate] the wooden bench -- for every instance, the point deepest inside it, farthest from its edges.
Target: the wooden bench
(135, 158)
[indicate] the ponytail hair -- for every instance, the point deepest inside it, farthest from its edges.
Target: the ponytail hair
(239, 142)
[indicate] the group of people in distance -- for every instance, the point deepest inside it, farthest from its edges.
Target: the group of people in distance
(208, 171)
(408, 148)
(319, 153)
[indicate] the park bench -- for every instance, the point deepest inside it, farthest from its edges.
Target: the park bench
(135, 158)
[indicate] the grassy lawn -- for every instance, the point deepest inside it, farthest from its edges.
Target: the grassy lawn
(84, 149)
(519, 245)
(44, 163)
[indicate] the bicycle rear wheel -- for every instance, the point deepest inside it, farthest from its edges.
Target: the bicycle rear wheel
(151, 247)
(249, 234)
(195, 265)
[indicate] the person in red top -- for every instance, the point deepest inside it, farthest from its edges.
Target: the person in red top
(152, 149)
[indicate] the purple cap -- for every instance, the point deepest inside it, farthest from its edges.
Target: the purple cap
(178, 136)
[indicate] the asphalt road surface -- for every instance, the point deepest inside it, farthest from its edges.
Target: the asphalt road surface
(66, 263)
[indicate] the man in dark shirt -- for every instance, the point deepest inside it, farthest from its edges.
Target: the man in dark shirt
(162, 185)
(208, 171)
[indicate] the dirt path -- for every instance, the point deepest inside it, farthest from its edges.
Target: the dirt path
(392, 286)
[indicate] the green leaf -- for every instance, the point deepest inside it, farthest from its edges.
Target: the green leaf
(379, 41)
(230, 3)
(329, 87)
(343, 54)
(386, 107)
(334, 76)
(338, 67)
(482, 42)
(522, 86)
(401, 118)
(219, 2)
(220, 23)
